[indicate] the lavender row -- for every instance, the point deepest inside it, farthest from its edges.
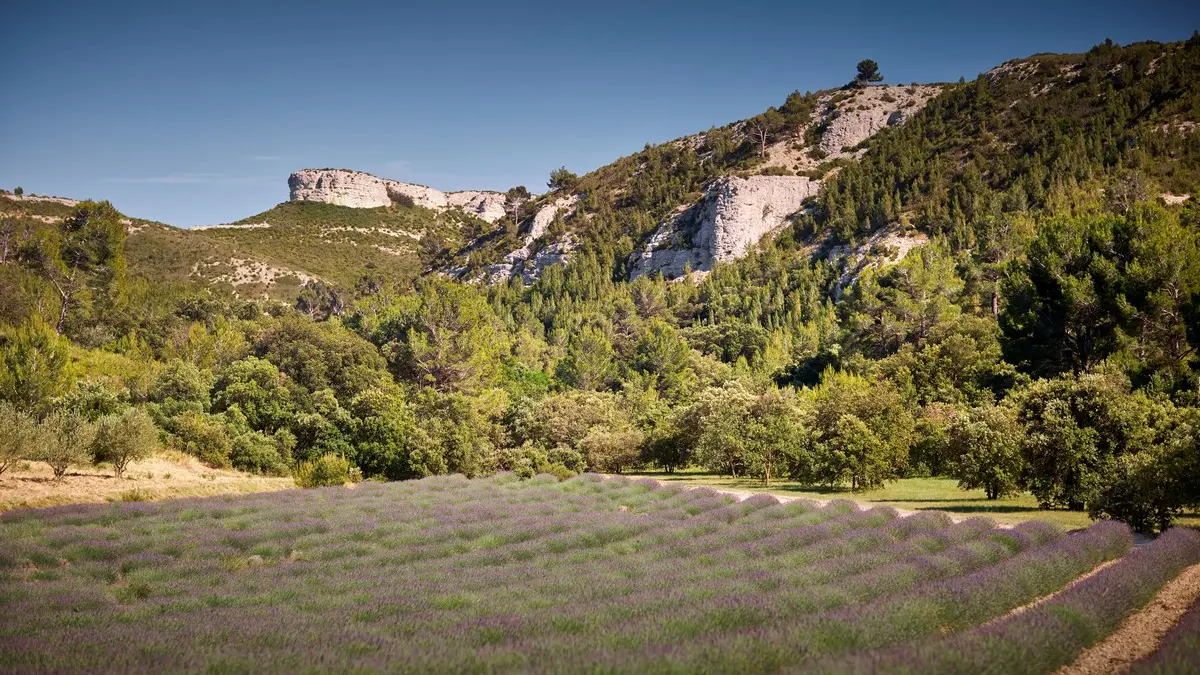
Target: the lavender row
(490, 576)
(1051, 634)
(764, 632)
(668, 597)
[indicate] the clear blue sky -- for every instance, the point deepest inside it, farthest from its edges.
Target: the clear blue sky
(195, 112)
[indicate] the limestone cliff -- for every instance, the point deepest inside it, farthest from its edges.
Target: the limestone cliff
(868, 111)
(364, 191)
(734, 214)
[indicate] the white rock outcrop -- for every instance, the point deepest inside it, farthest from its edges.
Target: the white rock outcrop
(546, 215)
(734, 214)
(868, 111)
(537, 229)
(883, 248)
(555, 253)
(364, 191)
(483, 204)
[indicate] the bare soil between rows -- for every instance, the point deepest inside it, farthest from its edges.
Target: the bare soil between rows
(1140, 634)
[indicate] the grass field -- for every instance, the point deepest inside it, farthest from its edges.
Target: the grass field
(913, 494)
(590, 574)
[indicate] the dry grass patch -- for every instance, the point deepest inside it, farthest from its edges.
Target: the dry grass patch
(167, 475)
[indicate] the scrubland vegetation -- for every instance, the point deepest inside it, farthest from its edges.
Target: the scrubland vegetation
(501, 575)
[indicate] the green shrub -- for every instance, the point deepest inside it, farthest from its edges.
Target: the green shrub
(558, 471)
(400, 199)
(134, 495)
(202, 436)
(123, 438)
(612, 451)
(328, 469)
(256, 453)
(94, 399)
(568, 457)
(777, 171)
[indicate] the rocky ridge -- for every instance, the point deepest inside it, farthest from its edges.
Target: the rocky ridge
(360, 190)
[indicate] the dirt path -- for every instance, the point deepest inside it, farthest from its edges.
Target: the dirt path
(1139, 635)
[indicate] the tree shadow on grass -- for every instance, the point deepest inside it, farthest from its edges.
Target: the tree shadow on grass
(740, 482)
(952, 500)
(51, 479)
(998, 508)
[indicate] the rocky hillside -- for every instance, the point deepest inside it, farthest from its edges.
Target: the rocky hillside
(838, 170)
(749, 179)
(745, 196)
(269, 255)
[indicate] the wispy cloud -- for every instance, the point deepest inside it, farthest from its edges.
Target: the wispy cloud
(191, 179)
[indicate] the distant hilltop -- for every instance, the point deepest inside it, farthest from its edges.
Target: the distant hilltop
(361, 190)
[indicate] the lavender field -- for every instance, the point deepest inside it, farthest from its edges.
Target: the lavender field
(589, 574)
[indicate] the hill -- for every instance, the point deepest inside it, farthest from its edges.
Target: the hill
(921, 159)
(981, 296)
(274, 253)
(993, 282)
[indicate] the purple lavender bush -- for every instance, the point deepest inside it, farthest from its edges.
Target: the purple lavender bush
(447, 574)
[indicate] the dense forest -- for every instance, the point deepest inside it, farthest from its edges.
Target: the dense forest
(1043, 340)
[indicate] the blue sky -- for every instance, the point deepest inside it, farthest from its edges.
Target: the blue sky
(195, 112)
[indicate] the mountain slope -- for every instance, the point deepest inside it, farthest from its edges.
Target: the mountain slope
(1042, 134)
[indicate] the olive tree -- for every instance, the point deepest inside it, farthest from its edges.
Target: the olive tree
(68, 440)
(715, 425)
(124, 437)
(775, 435)
(861, 431)
(21, 435)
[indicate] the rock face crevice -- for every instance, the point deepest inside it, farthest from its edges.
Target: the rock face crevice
(734, 214)
(360, 190)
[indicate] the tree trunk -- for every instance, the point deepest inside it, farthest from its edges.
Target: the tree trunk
(62, 312)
